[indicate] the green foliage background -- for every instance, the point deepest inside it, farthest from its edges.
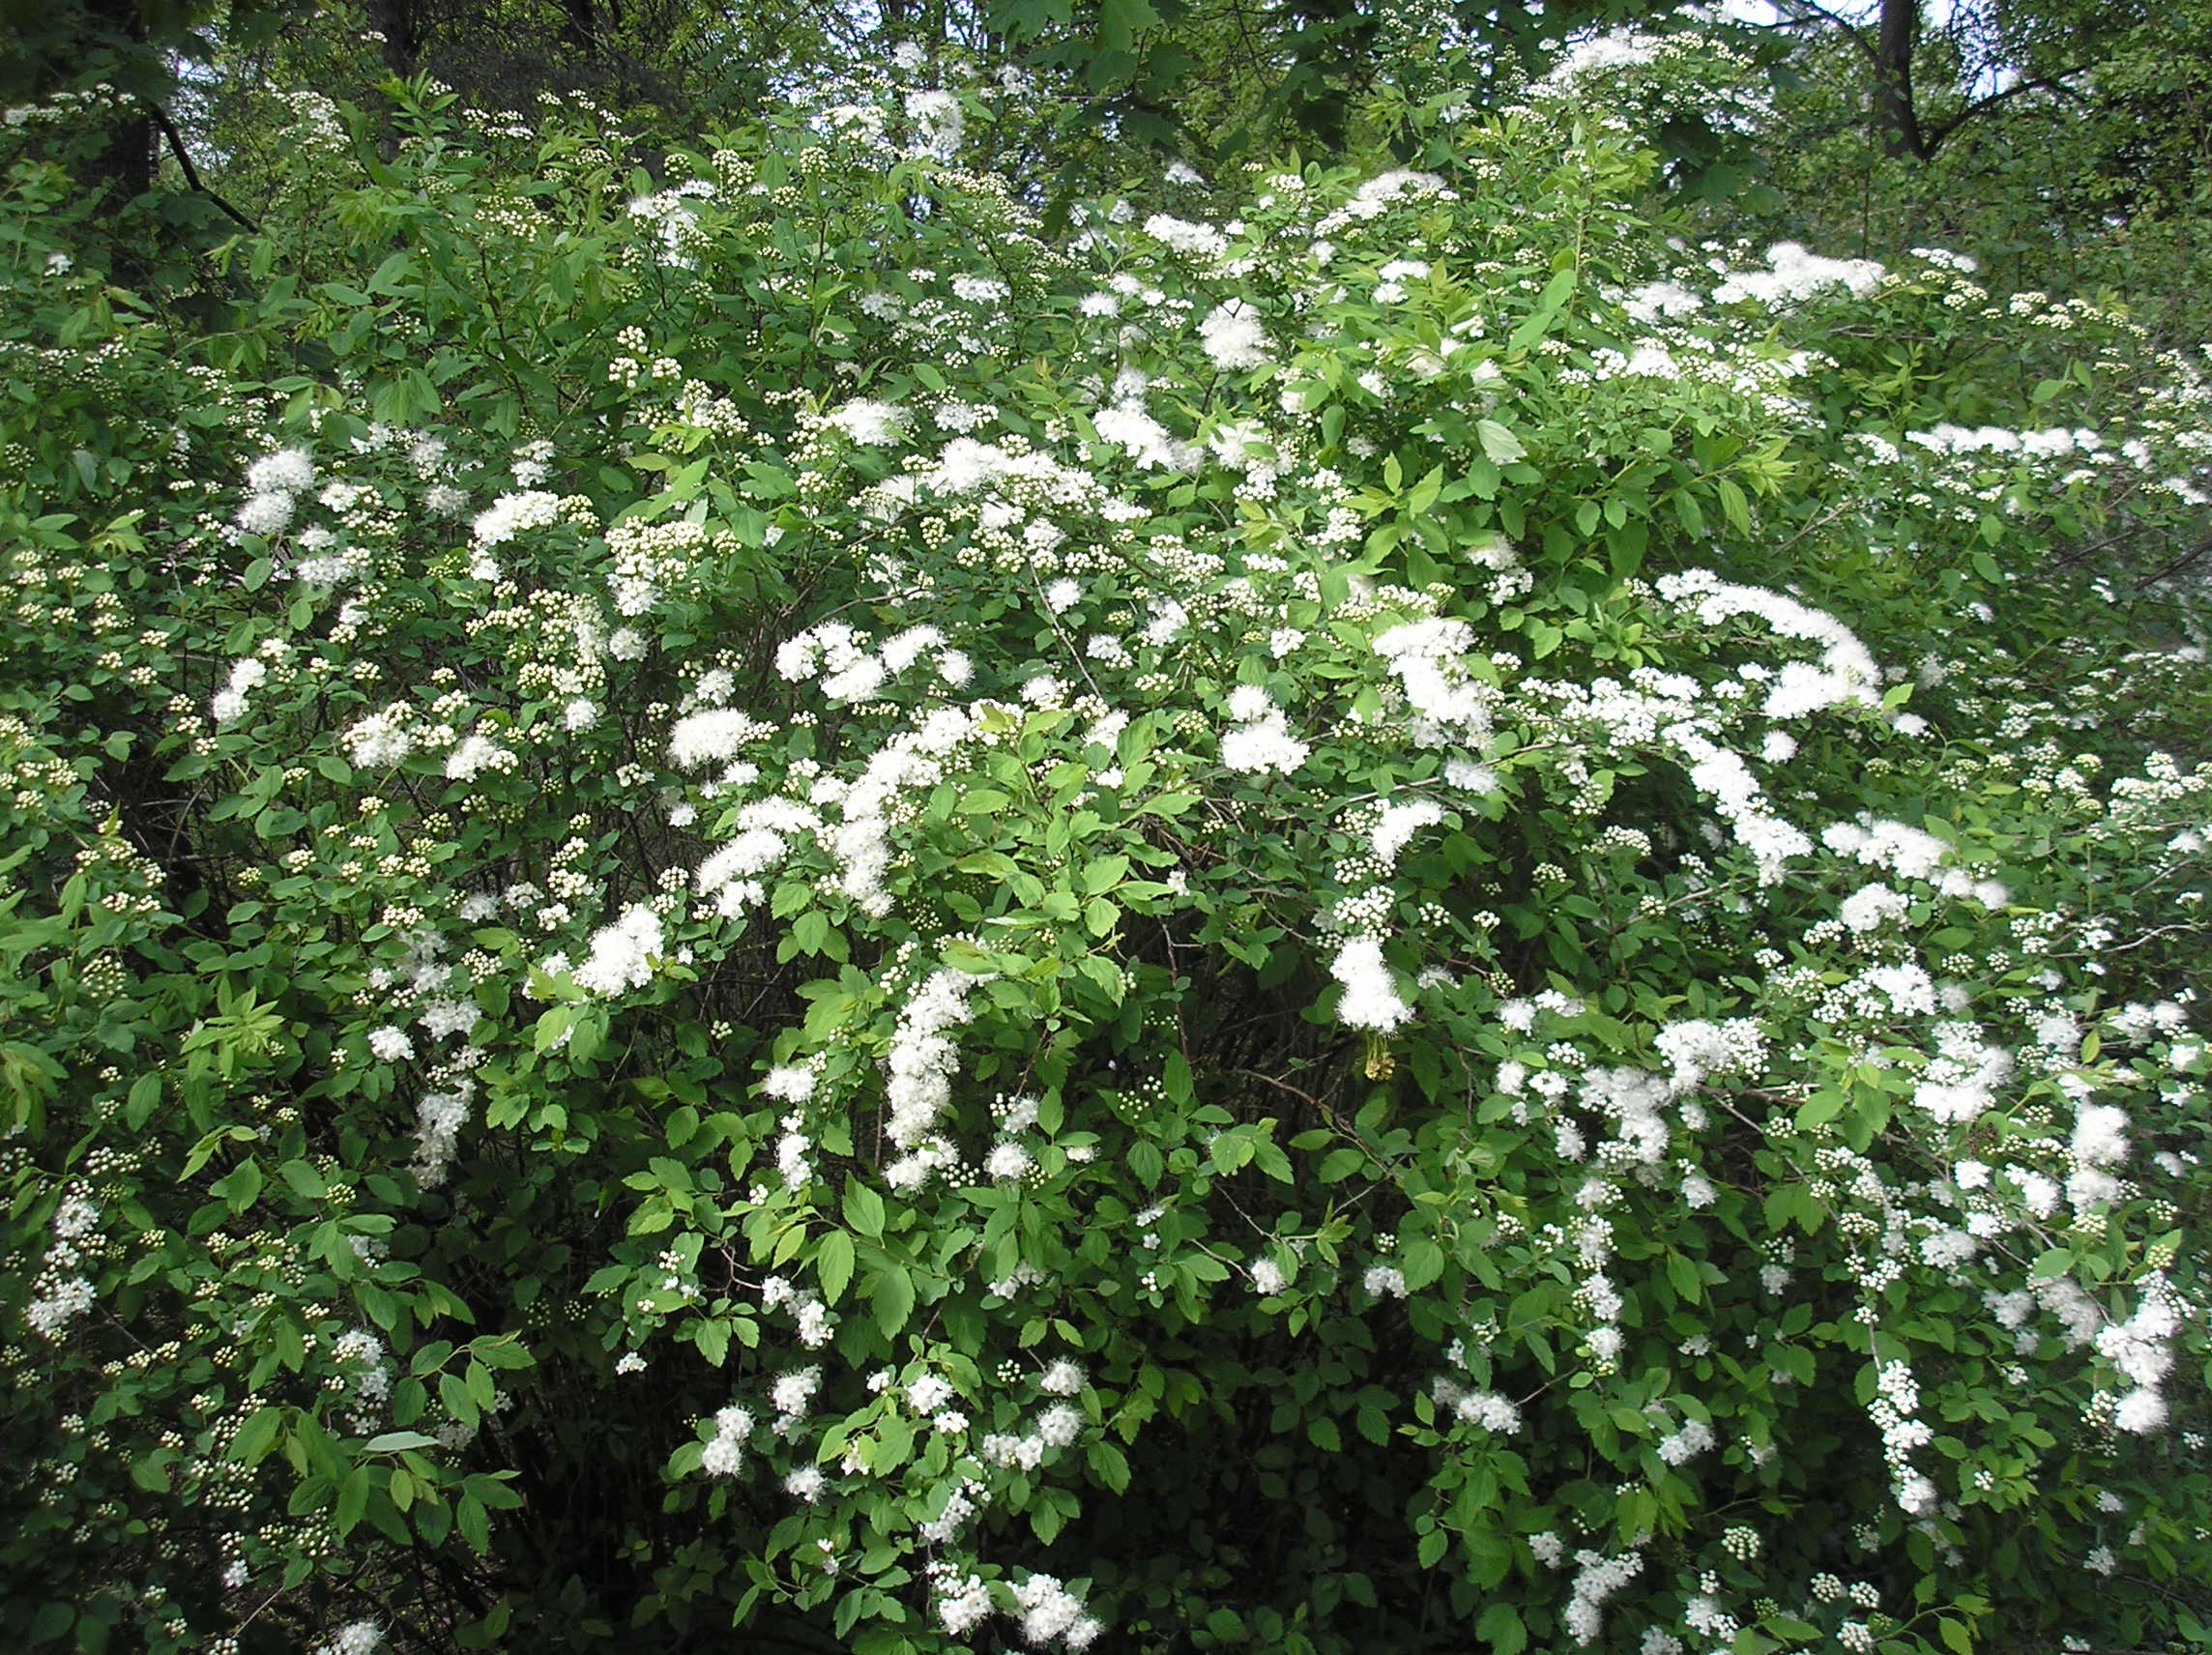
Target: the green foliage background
(1287, 1245)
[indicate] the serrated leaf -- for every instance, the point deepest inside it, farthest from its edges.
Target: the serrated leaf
(1499, 446)
(1109, 1465)
(1501, 1629)
(863, 1209)
(1340, 1163)
(1421, 1262)
(893, 1300)
(833, 1264)
(392, 1442)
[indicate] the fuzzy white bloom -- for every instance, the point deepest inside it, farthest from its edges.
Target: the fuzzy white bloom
(473, 755)
(2142, 1411)
(622, 953)
(382, 739)
(872, 424)
(715, 734)
(1233, 336)
(391, 1044)
(788, 1082)
(938, 120)
(1370, 994)
(1062, 1379)
(266, 514)
(355, 1637)
(287, 471)
(1009, 1160)
(1385, 1281)
(513, 514)
(1400, 823)
(1257, 749)
(1186, 237)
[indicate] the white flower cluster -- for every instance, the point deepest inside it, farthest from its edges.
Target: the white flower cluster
(725, 1453)
(623, 953)
(1371, 998)
(2142, 1349)
(920, 1065)
(246, 675)
(1234, 336)
(1597, 1578)
(1051, 1613)
(1261, 742)
(1697, 1049)
(1893, 1410)
(355, 1637)
(275, 483)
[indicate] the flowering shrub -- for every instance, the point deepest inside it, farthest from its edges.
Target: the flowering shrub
(1334, 913)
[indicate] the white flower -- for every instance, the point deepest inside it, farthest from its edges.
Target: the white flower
(1062, 1379)
(391, 1044)
(1385, 1281)
(1255, 750)
(1400, 823)
(1370, 994)
(513, 514)
(622, 953)
(287, 471)
(1233, 336)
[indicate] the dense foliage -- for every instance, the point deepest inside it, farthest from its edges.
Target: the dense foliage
(1363, 908)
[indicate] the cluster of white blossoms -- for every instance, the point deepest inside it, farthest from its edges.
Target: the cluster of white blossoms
(623, 954)
(1261, 744)
(1371, 998)
(1234, 337)
(725, 1451)
(63, 1290)
(355, 1637)
(919, 1068)
(246, 675)
(1597, 1578)
(274, 484)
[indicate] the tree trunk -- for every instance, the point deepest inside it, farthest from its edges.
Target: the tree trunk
(124, 165)
(580, 29)
(1896, 119)
(395, 20)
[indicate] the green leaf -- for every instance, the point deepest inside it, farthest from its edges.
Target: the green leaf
(255, 1437)
(863, 1209)
(712, 1339)
(1499, 446)
(892, 1299)
(1109, 1465)
(475, 1527)
(1685, 1278)
(353, 1500)
(1501, 1628)
(1421, 1262)
(392, 1442)
(833, 1264)
(1340, 1163)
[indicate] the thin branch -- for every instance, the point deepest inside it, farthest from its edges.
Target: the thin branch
(2039, 83)
(1805, 12)
(191, 173)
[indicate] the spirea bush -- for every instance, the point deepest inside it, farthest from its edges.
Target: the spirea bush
(1356, 909)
